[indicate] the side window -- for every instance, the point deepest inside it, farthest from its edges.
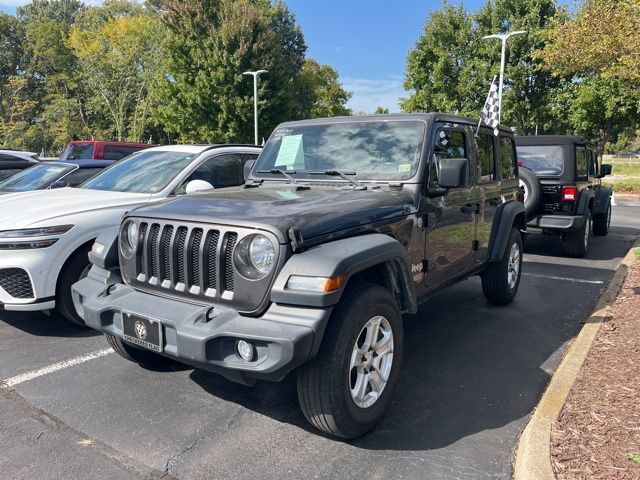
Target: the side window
(508, 164)
(581, 161)
(79, 175)
(220, 171)
(593, 164)
(11, 158)
(116, 152)
(448, 144)
(486, 158)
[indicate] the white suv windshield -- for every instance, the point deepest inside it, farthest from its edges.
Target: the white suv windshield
(373, 150)
(143, 172)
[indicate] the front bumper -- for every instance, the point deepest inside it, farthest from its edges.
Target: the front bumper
(284, 337)
(562, 223)
(24, 278)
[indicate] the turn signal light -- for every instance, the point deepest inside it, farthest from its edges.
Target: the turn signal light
(569, 194)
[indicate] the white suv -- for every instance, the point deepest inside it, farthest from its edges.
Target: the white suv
(45, 235)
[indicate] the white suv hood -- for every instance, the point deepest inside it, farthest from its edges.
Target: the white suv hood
(43, 207)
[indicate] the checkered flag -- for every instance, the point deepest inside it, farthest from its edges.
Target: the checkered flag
(490, 115)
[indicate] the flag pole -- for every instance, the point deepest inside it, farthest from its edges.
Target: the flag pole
(485, 104)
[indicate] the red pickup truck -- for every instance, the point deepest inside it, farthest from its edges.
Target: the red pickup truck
(100, 150)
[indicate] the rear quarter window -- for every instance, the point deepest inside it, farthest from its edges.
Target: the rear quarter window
(581, 162)
(508, 163)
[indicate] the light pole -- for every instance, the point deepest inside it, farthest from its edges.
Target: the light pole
(504, 37)
(255, 75)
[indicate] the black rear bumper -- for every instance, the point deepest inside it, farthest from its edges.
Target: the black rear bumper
(561, 223)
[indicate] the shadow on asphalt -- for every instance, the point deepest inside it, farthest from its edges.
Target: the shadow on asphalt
(41, 325)
(551, 246)
(468, 367)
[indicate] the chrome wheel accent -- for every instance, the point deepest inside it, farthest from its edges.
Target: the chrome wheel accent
(587, 231)
(513, 266)
(525, 188)
(371, 360)
(608, 217)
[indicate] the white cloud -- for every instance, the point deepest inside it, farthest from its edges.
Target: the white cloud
(368, 94)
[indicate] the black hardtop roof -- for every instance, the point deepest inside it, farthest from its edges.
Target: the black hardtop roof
(534, 140)
(428, 117)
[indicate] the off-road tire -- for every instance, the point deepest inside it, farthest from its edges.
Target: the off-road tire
(145, 358)
(324, 383)
(76, 267)
(532, 186)
(602, 221)
(495, 279)
(577, 243)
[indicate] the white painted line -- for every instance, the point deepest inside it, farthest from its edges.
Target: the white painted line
(565, 279)
(25, 377)
(613, 200)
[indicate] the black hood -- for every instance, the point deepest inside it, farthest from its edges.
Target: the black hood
(277, 207)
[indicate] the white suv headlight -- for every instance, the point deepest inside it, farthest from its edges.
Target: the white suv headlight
(254, 256)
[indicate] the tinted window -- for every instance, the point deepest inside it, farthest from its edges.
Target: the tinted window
(447, 144)
(116, 152)
(33, 178)
(77, 151)
(593, 164)
(7, 172)
(372, 149)
(542, 159)
(486, 157)
(220, 171)
(12, 158)
(78, 176)
(143, 172)
(508, 164)
(581, 161)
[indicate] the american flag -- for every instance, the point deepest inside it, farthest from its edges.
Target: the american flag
(490, 115)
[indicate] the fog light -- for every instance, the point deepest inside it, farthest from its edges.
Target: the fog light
(245, 350)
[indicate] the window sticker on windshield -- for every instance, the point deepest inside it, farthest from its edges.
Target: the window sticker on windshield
(282, 132)
(404, 167)
(285, 195)
(290, 153)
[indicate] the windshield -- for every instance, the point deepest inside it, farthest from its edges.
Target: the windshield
(143, 172)
(542, 160)
(34, 178)
(77, 151)
(374, 150)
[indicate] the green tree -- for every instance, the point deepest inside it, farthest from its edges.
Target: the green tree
(381, 111)
(451, 67)
(119, 61)
(205, 97)
(321, 94)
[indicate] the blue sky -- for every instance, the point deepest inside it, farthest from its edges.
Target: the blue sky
(365, 40)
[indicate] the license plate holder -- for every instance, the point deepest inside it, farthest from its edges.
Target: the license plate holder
(142, 331)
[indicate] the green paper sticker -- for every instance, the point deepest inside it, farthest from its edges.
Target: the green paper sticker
(290, 153)
(404, 167)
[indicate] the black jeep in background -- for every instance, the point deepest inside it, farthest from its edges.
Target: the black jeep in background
(344, 225)
(561, 176)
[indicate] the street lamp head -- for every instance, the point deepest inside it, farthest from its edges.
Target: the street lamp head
(495, 35)
(262, 71)
(256, 73)
(519, 32)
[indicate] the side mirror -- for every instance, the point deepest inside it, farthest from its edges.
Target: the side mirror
(453, 172)
(59, 184)
(605, 169)
(197, 186)
(246, 169)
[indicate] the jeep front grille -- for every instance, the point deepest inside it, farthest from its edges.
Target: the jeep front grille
(16, 282)
(185, 258)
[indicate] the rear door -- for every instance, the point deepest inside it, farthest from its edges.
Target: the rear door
(450, 228)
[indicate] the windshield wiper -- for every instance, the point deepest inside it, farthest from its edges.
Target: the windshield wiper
(338, 173)
(284, 173)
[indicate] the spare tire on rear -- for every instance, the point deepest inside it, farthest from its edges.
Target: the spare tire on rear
(531, 186)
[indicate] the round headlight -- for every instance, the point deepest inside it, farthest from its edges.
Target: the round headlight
(254, 256)
(132, 235)
(261, 253)
(129, 235)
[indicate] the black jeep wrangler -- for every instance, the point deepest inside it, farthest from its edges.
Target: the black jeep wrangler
(343, 225)
(563, 194)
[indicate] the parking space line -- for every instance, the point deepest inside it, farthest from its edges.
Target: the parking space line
(54, 367)
(564, 279)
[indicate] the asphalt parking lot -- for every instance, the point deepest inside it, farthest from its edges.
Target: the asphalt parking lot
(472, 373)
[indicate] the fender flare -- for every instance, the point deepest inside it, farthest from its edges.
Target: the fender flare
(601, 202)
(348, 257)
(583, 204)
(510, 214)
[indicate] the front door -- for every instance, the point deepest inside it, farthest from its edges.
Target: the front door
(450, 229)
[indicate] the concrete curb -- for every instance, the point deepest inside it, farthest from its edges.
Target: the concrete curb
(533, 456)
